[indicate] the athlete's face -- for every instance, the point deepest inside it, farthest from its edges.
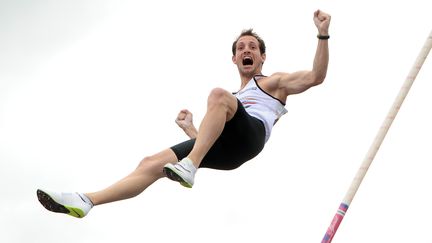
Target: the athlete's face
(248, 57)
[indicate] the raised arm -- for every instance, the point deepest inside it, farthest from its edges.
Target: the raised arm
(298, 82)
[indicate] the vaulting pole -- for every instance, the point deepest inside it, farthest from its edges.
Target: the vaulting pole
(337, 219)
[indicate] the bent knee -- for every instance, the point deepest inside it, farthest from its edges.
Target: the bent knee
(151, 164)
(218, 93)
(221, 97)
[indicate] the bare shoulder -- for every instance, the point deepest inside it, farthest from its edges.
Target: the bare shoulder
(274, 85)
(269, 82)
(286, 77)
(278, 80)
(296, 82)
(279, 75)
(275, 78)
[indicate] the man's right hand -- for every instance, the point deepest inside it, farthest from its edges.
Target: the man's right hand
(185, 121)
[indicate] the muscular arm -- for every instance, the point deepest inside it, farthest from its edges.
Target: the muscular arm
(297, 82)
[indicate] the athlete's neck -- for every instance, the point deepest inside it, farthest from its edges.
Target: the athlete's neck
(245, 78)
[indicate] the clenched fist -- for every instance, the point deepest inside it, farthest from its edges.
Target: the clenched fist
(322, 22)
(184, 121)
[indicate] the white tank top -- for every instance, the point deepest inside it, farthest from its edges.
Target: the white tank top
(261, 105)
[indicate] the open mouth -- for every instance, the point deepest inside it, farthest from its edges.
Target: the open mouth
(247, 61)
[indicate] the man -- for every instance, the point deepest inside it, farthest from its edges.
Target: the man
(234, 129)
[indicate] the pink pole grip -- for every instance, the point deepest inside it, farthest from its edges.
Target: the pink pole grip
(337, 219)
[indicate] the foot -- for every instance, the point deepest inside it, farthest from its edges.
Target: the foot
(183, 172)
(74, 204)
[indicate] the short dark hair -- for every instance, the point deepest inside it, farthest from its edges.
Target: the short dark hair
(249, 32)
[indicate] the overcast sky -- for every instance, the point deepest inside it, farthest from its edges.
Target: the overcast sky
(88, 88)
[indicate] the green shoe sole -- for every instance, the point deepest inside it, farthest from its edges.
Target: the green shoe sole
(50, 204)
(171, 174)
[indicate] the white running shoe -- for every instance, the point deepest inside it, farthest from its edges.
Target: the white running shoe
(74, 204)
(183, 172)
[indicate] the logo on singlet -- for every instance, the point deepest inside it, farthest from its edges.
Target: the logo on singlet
(250, 88)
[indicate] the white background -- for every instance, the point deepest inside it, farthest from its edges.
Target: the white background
(88, 88)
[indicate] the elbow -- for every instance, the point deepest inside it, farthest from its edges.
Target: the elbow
(319, 79)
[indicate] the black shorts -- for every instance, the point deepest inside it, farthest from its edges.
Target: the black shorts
(242, 138)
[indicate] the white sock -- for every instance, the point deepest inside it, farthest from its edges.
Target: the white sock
(85, 199)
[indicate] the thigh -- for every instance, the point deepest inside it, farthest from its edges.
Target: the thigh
(241, 140)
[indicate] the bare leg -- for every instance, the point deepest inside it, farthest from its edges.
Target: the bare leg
(221, 107)
(148, 171)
